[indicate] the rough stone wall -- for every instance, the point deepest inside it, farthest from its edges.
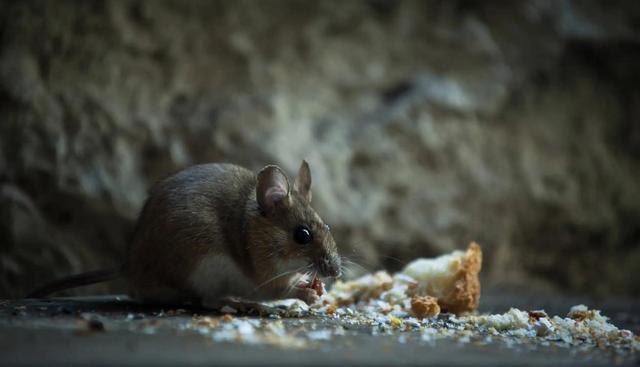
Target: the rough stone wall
(426, 124)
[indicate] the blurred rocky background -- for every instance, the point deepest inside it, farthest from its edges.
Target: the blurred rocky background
(426, 124)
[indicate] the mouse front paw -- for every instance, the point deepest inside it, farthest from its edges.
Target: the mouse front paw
(306, 294)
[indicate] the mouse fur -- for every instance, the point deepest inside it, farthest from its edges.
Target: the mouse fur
(213, 231)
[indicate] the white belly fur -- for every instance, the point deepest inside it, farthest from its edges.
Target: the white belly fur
(218, 276)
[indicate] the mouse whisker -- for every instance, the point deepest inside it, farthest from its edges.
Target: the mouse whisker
(291, 286)
(278, 276)
(361, 257)
(294, 284)
(351, 262)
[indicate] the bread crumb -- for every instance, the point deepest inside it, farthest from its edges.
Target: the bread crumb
(331, 309)
(425, 306)
(451, 278)
(206, 321)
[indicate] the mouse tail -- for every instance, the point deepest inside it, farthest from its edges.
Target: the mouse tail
(77, 280)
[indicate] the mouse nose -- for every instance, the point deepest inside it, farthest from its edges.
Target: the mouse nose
(330, 267)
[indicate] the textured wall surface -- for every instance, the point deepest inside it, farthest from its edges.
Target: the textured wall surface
(426, 124)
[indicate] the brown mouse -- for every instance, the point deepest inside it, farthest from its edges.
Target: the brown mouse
(214, 231)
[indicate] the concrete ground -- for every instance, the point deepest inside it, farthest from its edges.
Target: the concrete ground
(114, 331)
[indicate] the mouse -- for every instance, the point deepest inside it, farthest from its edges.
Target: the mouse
(217, 231)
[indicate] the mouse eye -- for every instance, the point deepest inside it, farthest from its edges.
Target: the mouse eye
(302, 235)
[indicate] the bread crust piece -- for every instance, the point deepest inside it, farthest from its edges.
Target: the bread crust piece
(464, 296)
(451, 278)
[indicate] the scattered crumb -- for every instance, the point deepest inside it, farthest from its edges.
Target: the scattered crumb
(452, 279)
(331, 309)
(206, 321)
(247, 331)
(537, 314)
(581, 312)
(424, 306)
(410, 301)
(513, 319)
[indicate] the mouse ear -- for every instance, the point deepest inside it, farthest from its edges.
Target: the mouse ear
(272, 188)
(302, 184)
